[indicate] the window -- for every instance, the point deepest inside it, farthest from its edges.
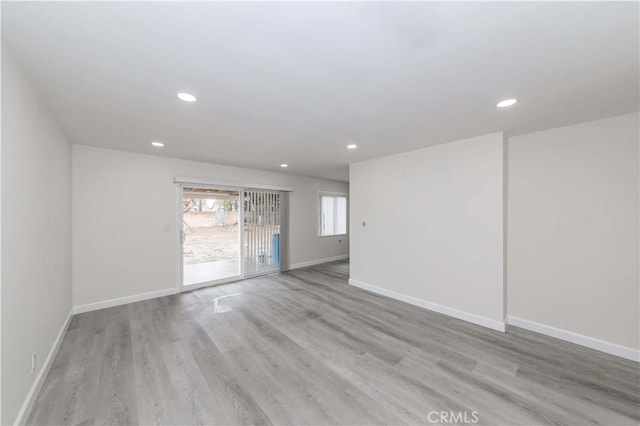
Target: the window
(333, 215)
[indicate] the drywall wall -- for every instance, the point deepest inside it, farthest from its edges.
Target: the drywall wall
(125, 220)
(573, 229)
(434, 227)
(36, 235)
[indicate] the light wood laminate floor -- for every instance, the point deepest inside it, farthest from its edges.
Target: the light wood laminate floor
(304, 347)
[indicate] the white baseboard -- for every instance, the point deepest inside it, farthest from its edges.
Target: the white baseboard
(123, 300)
(27, 405)
(318, 261)
(578, 339)
(452, 312)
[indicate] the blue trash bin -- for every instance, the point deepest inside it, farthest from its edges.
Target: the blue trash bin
(275, 250)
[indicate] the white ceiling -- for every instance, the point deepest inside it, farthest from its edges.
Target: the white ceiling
(296, 82)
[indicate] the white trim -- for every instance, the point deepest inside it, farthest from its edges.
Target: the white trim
(446, 310)
(318, 261)
(27, 405)
(123, 300)
(180, 245)
(197, 286)
(333, 194)
(241, 236)
(228, 184)
(578, 339)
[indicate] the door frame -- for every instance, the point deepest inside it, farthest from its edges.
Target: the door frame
(180, 235)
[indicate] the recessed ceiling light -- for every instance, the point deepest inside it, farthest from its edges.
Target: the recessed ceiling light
(158, 144)
(506, 103)
(352, 146)
(187, 97)
(284, 166)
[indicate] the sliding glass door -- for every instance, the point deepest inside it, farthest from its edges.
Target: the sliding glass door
(228, 234)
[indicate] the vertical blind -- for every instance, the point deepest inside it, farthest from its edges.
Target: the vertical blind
(262, 231)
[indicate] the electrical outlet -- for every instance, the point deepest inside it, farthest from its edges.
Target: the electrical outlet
(34, 359)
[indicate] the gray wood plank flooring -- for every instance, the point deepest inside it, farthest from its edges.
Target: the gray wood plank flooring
(305, 348)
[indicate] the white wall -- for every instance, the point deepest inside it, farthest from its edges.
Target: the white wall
(573, 229)
(124, 219)
(434, 227)
(36, 235)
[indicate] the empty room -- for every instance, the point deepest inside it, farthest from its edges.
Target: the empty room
(319, 213)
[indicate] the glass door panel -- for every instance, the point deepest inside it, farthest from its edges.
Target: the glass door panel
(210, 235)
